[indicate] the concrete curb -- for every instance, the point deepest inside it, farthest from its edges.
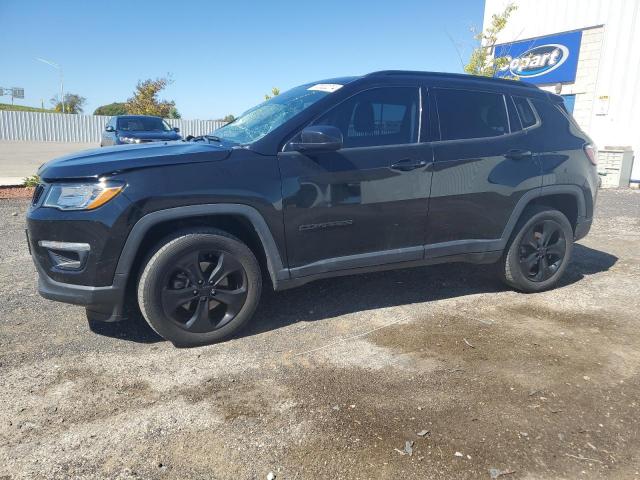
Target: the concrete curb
(11, 181)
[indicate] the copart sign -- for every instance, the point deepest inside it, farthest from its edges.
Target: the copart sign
(548, 59)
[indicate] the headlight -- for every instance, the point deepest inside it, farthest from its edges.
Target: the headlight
(81, 196)
(129, 140)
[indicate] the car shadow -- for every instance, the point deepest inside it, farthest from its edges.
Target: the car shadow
(342, 295)
(134, 329)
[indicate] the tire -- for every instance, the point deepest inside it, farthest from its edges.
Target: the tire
(199, 287)
(539, 250)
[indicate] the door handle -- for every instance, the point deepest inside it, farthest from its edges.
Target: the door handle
(517, 154)
(408, 164)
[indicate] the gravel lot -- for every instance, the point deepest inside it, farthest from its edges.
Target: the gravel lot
(333, 377)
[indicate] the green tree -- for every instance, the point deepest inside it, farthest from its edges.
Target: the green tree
(174, 113)
(482, 61)
(115, 108)
(275, 91)
(229, 118)
(73, 103)
(145, 99)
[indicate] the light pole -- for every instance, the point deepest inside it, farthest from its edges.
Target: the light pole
(59, 68)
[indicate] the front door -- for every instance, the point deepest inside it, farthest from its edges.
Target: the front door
(366, 203)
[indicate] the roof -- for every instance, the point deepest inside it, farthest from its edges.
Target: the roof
(135, 115)
(452, 76)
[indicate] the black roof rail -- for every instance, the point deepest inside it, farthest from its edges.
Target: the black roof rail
(449, 75)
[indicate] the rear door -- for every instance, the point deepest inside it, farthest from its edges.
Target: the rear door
(365, 204)
(483, 164)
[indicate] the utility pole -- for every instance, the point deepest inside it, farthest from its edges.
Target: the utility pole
(59, 68)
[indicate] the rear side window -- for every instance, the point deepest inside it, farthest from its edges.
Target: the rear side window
(381, 116)
(471, 114)
(553, 116)
(525, 111)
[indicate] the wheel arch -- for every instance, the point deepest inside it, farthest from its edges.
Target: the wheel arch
(569, 199)
(243, 221)
(566, 203)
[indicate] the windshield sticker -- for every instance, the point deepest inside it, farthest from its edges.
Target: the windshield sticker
(326, 87)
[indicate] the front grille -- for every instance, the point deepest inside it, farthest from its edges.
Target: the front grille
(37, 193)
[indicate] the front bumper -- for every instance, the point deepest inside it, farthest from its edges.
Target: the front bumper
(89, 241)
(76, 253)
(102, 303)
(583, 225)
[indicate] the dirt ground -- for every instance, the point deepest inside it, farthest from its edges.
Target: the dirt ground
(333, 378)
(15, 192)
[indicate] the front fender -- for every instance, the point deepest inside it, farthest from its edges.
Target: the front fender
(275, 265)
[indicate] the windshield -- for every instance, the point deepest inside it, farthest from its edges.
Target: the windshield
(258, 121)
(142, 124)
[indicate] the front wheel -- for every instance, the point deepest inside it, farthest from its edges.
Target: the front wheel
(199, 287)
(539, 252)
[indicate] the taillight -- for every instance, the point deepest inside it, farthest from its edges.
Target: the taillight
(591, 153)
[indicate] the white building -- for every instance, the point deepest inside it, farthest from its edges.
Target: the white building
(603, 87)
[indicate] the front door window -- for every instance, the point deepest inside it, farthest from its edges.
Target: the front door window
(377, 117)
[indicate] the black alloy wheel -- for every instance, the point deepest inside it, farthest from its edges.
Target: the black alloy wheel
(200, 286)
(542, 250)
(205, 290)
(538, 251)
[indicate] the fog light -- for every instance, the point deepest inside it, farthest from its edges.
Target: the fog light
(66, 255)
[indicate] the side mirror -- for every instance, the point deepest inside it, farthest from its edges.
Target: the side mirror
(176, 129)
(318, 138)
(109, 128)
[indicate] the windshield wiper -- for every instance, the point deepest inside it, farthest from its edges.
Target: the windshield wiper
(200, 138)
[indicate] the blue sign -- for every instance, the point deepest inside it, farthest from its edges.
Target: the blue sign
(549, 59)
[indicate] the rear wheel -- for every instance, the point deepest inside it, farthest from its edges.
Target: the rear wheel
(539, 252)
(199, 287)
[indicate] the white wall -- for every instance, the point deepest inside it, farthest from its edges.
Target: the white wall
(58, 127)
(616, 72)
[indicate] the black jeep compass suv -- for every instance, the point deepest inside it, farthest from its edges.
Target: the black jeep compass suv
(389, 170)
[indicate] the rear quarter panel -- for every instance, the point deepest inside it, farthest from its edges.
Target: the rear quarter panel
(560, 144)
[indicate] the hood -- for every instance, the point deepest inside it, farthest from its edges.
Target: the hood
(110, 160)
(151, 135)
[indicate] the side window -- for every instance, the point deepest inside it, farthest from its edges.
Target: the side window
(525, 111)
(553, 116)
(471, 114)
(380, 116)
(514, 119)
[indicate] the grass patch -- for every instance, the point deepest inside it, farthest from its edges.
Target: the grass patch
(22, 108)
(31, 181)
